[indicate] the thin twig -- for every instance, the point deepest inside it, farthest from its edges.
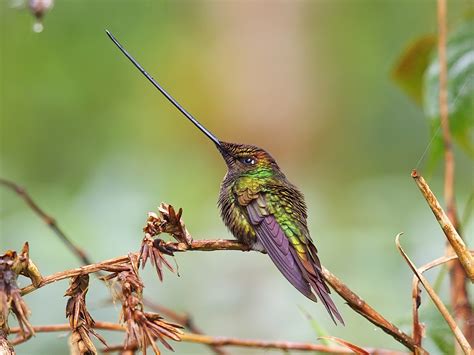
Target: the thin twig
(417, 328)
(444, 111)
(450, 232)
(47, 219)
(221, 341)
(436, 300)
(354, 301)
(84, 258)
(365, 310)
(459, 296)
(87, 269)
(186, 320)
(357, 303)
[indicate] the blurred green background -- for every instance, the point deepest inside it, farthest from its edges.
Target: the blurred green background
(309, 81)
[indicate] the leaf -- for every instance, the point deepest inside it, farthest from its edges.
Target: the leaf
(460, 86)
(409, 70)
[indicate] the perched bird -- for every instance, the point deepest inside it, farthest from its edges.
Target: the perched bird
(264, 210)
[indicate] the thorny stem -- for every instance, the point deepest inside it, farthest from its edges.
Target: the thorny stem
(221, 341)
(459, 296)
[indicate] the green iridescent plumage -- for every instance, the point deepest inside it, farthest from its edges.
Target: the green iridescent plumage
(263, 209)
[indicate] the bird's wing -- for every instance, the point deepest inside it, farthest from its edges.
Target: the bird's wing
(287, 242)
(271, 236)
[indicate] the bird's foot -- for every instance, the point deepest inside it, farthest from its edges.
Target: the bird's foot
(164, 247)
(257, 246)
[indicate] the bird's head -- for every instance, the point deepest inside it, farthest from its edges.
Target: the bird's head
(246, 159)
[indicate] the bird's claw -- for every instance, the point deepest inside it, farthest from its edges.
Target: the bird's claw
(164, 247)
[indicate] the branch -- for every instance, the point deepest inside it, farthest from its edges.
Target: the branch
(105, 265)
(185, 320)
(417, 328)
(459, 296)
(220, 341)
(437, 301)
(354, 301)
(465, 257)
(47, 219)
(84, 258)
(444, 110)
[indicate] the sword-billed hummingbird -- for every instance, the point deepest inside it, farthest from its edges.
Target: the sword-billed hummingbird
(263, 209)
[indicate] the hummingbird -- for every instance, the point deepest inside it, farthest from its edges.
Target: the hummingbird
(263, 210)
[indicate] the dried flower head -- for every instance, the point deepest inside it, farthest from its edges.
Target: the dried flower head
(142, 328)
(167, 221)
(5, 347)
(154, 250)
(13, 264)
(80, 320)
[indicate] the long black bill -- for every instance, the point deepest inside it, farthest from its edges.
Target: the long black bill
(163, 91)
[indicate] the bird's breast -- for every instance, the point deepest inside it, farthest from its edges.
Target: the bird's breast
(234, 217)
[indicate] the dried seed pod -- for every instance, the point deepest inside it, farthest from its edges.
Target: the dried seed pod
(5, 347)
(142, 328)
(80, 320)
(150, 249)
(168, 221)
(12, 265)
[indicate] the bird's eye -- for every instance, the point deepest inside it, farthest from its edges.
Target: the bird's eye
(248, 161)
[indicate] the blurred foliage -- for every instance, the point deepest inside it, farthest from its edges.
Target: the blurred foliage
(460, 58)
(438, 330)
(411, 66)
(97, 147)
(417, 72)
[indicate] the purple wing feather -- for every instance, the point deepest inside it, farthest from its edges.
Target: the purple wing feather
(272, 237)
(277, 246)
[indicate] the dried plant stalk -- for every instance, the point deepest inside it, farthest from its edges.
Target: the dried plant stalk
(142, 328)
(156, 258)
(352, 299)
(226, 341)
(437, 301)
(5, 347)
(13, 264)
(418, 328)
(80, 320)
(450, 232)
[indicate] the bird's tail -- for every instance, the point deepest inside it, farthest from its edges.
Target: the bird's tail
(311, 270)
